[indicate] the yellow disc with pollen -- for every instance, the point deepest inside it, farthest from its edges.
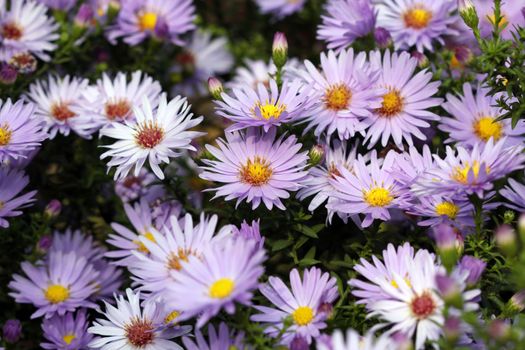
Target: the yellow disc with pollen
(337, 97)
(303, 315)
(68, 338)
(417, 18)
(5, 135)
(378, 197)
(448, 209)
(147, 21)
(488, 127)
(222, 288)
(56, 293)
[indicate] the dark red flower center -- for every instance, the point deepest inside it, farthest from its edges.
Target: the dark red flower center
(423, 305)
(11, 31)
(140, 333)
(149, 135)
(61, 111)
(117, 110)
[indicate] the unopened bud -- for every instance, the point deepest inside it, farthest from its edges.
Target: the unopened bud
(499, 329)
(12, 330)
(449, 290)
(44, 243)
(215, 87)
(280, 49)
(451, 329)
(162, 29)
(474, 267)
(84, 16)
(521, 227)
(383, 38)
(449, 244)
(506, 239)
(8, 74)
(516, 303)
(468, 12)
(422, 60)
(53, 208)
(508, 217)
(299, 343)
(316, 155)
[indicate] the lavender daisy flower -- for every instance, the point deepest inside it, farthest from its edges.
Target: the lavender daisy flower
(155, 136)
(474, 119)
(250, 232)
(63, 5)
(132, 327)
(25, 27)
(59, 102)
(344, 21)
(255, 167)
(68, 332)
(223, 339)
(344, 93)
(438, 209)
(261, 107)
(12, 182)
(280, 8)
(132, 187)
(20, 134)
(228, 272)
(355, 341)
(418, 23)
(138, 20)
(404, 110)
(303, 304)
(514, 193)
(113, 100)
(409, 166)
(511, 11)
(63, 284)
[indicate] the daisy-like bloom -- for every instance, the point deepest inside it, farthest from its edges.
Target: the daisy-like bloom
(64, 283)
(140, 19)
(514, 192)
(12, 182)
(132, 327)
(409, 166)
(344, 93)
(355, 341)
(25, 27)
(250, 232)
(346, 20)
(171, 251)
(255, 167)
(113, 100)
(263, 107)
(474, 119)
(227, 272)
(511, 11)
(223, 339)
(20, 133)
(258, 72)
(305, 304)
(438, 209)
(155, 136)
(368, 189)
(59, 102)
(465, 172)
(68, 332)
(280, 8)
(418, 23)
(407, 97)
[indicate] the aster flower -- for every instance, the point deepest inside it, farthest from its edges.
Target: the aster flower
(138, 20)
(346, 20)
(303, 304)
(438, 209)
(419, 23)
(132, 187)
(409, 166)
(129, 326)
(226, 273)
(355, 341)
(255, 167)
(113, 100)
(250, 232)
(514, 193)
(223, 339)
(280, 8)
(474, 119)
(344, 93)
(155, 136)
(20, 134)
(58, 102)
(63, 284)
(511, 11)
(404, 109)
(25, 27)
(12, 182)
(68, 332)
(263, 107)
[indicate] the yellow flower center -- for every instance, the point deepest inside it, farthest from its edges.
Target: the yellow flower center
(417, 17)
(303, 315)
(337, 97)
(492, 19)
(141, 247)
(269, 111)
(68, 338)
(147, 21)
(56, 293)
(378, 197)
(392, 104)
(256, 172)
(222, 288)
(461, 173)
(487, 127)
(5, 135)
(171, 317)
(448, 209)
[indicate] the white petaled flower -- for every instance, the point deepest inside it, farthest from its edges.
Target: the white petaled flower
(155, 136)
(355, 341)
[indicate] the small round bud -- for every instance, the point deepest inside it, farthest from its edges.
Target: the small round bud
(84, 16)
(299, 343)
(8, 74)
(215, 87)
(521, 227)
(383, 38)
(516, 304)
(451, 329)
(12, 330)
(474, 267)
(449, 290)
(44, 243)
(449, 244)
(506, 239)
(316, 155)
(279, 49)
(422, 60)
(508, 217)
(53, 208)
(499, 329)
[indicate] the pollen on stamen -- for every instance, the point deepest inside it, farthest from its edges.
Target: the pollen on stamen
(269, 110)
(140, 333)
(487, 127)
(392, 104)
(61, 111)
(378, 197)
(422, 306)
(11, 31)
(118, 110)
(147, 21)
(176, 259)
(303, 315)
(256, 172)
(448, 209)
(417, 17)
(5, 135)
(149, 135)
(337, 97)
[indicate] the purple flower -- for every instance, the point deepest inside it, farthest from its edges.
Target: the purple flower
(250, 232)
(12, 182)
(382, 37)
(223, 339)
(474, 267)
(346, 20)
(12, 330)
(84, 16)
(134, 187)
(67, 332)
(511, 11)
(302, 304)
(63, 5)
(280, 8)
(8, 74)
(255, 167)
(53, 208)
(515, 195)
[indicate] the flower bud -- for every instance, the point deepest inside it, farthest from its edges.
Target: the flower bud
(12, 330)
(499, 329)
(279, 49)
(215, 87)
(299, 343)
(316, 155)
(449, 244)
(516, 304)
(383, 38)
(468, 12)
(161, 29)
(465, 5)
(521, 227)
(8, 74)
(422, 60)
(53, 208)
(84, 16)
(506, 239)
(449, 289)
(44, 243)
(474, 267)
(403, 341)
(508, 217)
(451, 329)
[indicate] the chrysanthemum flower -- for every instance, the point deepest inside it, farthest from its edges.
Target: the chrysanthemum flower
(255, 167)
(304, 304)
(418, 23)
(474, 119)
(64, 283)
(250, 232)
(404, 109)
(140, 19)
(344, 21)
(223, 339)
(132, 327)
(511, 11)
(438, 209)
(344, 93)
(514, 192)
(20, 133)
(68, 332)
(263, 107)
(155, 136)
(113, 100)
(355, 341)
(409, 166)
(227, 272)
(280, 8)
(59, 102)
(368, 189)
(25, 27)
(12, 182)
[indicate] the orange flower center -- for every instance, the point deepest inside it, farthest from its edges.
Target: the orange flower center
(417, 17)
(61, 111)
(337, 97)
(140, 333)
(149, 135)
(118, 110)
(256, 172)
